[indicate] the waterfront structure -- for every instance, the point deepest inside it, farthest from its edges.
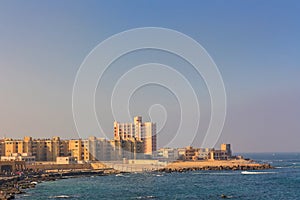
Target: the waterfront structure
(76, 149)
(11, 166)
(130, 148)
(224, 154)
(138, 131)
(41, 149)
(167, 154)
(13, 146)
(66, 160)
(28, 158)
(227, 149)
(190, 153)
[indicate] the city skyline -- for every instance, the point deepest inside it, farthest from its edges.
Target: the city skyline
(254, 44)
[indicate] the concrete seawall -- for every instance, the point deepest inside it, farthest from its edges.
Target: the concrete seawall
(45, 166)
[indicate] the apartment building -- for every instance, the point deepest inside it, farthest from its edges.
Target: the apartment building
(139, 131)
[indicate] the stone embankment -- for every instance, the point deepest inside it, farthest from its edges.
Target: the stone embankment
(10, 186)
(182, 166)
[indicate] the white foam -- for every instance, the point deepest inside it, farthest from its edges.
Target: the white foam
(249, 173)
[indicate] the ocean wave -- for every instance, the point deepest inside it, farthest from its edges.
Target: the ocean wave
(122, 175)
(146, 197)
(158, 175)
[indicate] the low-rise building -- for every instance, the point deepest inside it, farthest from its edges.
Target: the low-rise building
(168, 154)
(26, 157)
(224, 154)
(66, 160)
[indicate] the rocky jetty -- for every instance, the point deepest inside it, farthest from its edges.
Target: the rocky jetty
(214, 165)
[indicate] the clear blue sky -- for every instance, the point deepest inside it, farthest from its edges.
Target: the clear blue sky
(255, 44)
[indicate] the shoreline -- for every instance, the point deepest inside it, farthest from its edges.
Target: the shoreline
(15, 185)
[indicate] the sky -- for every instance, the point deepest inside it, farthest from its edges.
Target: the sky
(255, 45)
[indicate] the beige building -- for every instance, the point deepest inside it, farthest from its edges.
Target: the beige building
(139, 131)
(223, 154)
(41, 149)
(127, 148)
(13, 146)
(66, 160)
(76, 149)
(28, 158)
(149, 137)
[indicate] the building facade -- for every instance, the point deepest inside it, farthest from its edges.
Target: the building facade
(138, 131)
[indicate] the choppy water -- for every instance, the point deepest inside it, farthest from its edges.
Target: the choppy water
(282, 183)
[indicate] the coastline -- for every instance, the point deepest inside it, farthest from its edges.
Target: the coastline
(14, 185)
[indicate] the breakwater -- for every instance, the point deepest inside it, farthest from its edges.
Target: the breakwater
(206, 168)
(182, 166)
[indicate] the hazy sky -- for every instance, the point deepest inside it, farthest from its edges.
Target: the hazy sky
(255, 44)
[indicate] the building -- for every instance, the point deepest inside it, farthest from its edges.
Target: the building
(224, 154)
(149, 137)
(139, 131)
(167, 154)
(227, 149)
(203, 153)
(190, 153)
(12, 146)
(41, 149)
(66, 160)
(12, 166)
(28, 158)
(76, 149)
(129, 148)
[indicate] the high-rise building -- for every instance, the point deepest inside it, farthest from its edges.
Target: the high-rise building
(145, 132)
(149, 137)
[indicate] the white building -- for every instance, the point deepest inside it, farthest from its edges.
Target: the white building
(168, 154)
(145, 132)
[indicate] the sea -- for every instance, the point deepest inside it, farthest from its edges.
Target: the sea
(283, 182)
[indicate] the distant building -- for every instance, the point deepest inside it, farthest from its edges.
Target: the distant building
(127, 148)
(76, 149)
(139, 131)
(28, 158)
(227, 149)
(223, 154)
(190, 153)
(167, 154)
(12, 166)
(66, 160)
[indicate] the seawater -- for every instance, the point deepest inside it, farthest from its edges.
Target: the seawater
(282, 183)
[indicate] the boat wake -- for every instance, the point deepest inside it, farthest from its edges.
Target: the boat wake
(216, 173)
(250, 173)
(60, 197)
